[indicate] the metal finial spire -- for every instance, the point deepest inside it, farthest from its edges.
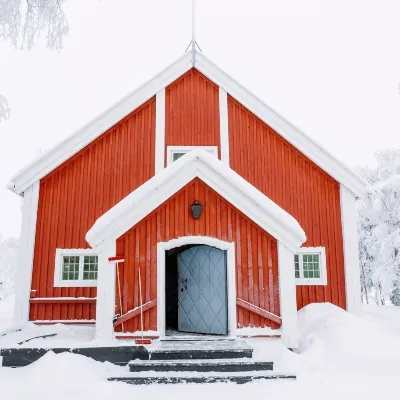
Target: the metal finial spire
(193, 32)
(193, 43)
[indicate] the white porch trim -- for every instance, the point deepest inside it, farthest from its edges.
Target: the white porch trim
(214, 173)
(350, 247)
(26, 253)
(224, 126)
(160, 131)
(105, 304)
(287, 297)
(231, 276)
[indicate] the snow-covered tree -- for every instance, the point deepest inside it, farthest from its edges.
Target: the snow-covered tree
(8, 263)
(379, 228)
(23, 21)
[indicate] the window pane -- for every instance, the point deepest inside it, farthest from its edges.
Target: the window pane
(311, 266)
(70, 268)
(90, 264)
(296, 266)
(177, 156)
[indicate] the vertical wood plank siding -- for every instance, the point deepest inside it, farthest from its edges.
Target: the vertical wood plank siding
(256, 253)
(74, 195)
(296, 184)
(192, 112)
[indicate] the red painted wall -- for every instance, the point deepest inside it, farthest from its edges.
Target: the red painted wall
(296, 184)
(74, 195)
(256, 253)
(192, 112)
(78, 192)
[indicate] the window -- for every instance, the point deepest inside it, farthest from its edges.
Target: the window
(176, 152)
(75, 268)
(310, 266)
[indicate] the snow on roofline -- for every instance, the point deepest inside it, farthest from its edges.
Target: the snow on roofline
(199, 163)
(73, 144)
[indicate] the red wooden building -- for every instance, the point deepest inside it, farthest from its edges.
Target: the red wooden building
(234, 218)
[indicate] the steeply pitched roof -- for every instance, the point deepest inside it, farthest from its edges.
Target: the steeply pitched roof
(73, 144)
(199, 163)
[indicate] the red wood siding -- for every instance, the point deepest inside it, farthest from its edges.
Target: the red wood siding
(256, 253)
(74, 195)
(192, 112)
(296, 184)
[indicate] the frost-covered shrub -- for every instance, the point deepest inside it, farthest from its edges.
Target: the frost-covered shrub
(379, 228)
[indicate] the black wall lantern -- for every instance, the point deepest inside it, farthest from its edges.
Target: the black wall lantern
(196, 209)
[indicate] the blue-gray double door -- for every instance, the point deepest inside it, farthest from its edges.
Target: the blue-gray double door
(202, 291)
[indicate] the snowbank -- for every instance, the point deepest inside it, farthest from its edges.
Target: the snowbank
(6, 312)
(341, 356)
(334, 340)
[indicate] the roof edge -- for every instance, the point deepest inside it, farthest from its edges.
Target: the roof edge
(81, 138)
(213, 172)
(68, 147)
(309, 147)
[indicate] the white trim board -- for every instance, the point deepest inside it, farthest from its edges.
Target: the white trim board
(287, 297)
(91, 131)
(224, 125)
(160, 131)
(162, 247)
(350, 248)
(214, 173)
(26, 253)
(105, 304)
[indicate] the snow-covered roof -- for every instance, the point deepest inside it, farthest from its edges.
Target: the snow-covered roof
(199, 163)
(73, 144)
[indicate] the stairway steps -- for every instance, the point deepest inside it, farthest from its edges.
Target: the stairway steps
(201, 350)
(224, 365)
(239, 379)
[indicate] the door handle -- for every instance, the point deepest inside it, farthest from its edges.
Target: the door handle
(184, 284)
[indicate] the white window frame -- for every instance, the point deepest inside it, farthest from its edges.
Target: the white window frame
(322, 280)
(186, 149)
(59, 282)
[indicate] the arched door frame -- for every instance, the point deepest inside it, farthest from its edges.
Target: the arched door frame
(229, 247)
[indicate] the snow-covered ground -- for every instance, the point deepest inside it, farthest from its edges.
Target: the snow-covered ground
(341, 356)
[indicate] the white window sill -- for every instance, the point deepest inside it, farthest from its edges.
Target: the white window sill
(310, 282)
(77, 283)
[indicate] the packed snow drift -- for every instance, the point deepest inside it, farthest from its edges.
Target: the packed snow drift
(341, 356)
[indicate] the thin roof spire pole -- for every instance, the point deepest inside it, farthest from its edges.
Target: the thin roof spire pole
(193, 32)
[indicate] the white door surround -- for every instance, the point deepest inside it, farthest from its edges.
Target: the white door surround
(162, 247)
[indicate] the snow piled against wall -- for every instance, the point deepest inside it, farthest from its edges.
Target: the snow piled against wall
(341, 356)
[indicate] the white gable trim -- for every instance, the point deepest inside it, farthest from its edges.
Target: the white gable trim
(79, 140)
(298, 139)
(87, 134)
(258, 207)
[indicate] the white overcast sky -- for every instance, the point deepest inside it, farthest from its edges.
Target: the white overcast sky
(330, 67)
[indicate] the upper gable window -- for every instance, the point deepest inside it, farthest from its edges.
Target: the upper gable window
(75, 268)
(310, 266)
(176, 152)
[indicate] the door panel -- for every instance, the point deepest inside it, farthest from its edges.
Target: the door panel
(202, 291)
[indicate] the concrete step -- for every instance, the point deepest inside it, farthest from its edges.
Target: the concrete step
(170, 379)
(200, 350)
(224, 365)
(119, 355)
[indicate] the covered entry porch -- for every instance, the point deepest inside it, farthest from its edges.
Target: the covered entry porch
(256, 287)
